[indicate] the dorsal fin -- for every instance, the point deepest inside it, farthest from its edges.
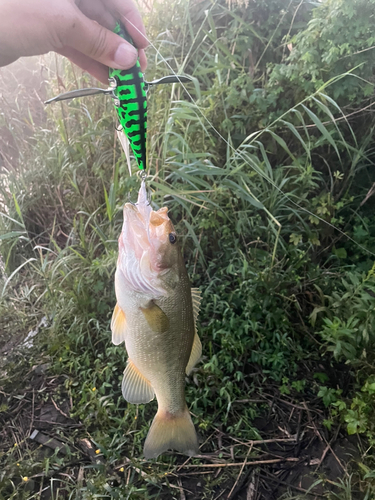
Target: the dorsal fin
(196, 350)
(196, 299)
(196, 353)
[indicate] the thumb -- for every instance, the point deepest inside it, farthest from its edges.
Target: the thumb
(100, 44)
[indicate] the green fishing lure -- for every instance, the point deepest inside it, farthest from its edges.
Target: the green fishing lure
(131, 104)
(129, 92)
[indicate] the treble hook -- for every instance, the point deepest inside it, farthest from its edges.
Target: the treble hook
(72, 94)
(143, 176)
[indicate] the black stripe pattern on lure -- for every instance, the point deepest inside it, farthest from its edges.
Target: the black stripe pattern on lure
(128, 89)
(131, 104)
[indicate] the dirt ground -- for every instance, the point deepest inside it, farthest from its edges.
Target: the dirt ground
(295, 451)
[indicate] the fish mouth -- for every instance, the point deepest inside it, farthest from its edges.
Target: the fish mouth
(138, 245)
(136, 223)
(143, 204)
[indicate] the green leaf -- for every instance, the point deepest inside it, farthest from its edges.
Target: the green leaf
(295, 238)
(322, 128)
(340, 253)
(352, 428)
(12, 234)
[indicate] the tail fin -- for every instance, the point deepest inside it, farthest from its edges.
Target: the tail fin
(171, 431)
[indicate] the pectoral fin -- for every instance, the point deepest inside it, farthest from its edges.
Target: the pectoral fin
(136, 388)
(196, 353)
(157, 320)
(118, 325)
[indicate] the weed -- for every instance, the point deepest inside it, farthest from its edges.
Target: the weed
(277, 230)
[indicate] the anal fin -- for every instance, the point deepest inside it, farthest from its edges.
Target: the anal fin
(136, 388)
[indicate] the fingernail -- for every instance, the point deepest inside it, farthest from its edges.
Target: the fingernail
(125, 56)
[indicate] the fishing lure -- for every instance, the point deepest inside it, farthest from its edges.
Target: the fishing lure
(131, 104)
(129, 92)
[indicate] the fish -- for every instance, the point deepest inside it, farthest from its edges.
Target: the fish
(155, 316)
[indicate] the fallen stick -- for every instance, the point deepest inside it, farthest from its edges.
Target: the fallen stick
(240, 464)
(239, 474)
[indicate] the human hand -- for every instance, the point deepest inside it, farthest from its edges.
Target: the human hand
(78, 29)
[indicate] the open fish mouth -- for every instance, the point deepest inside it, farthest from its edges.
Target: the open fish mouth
(140, 244)
(143, 205)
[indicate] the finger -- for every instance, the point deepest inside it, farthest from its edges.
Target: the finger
(98, 43)
(7, 59)
(95, 10)
(96, 69)
(132, 20)
(142, 59)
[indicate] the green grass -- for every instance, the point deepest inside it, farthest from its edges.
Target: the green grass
(268, 201)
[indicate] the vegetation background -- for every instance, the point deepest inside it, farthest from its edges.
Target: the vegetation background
(266, 163)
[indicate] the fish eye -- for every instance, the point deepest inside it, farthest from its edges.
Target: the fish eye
(172, 238)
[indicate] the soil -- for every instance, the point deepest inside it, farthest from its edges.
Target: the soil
(295, 451)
